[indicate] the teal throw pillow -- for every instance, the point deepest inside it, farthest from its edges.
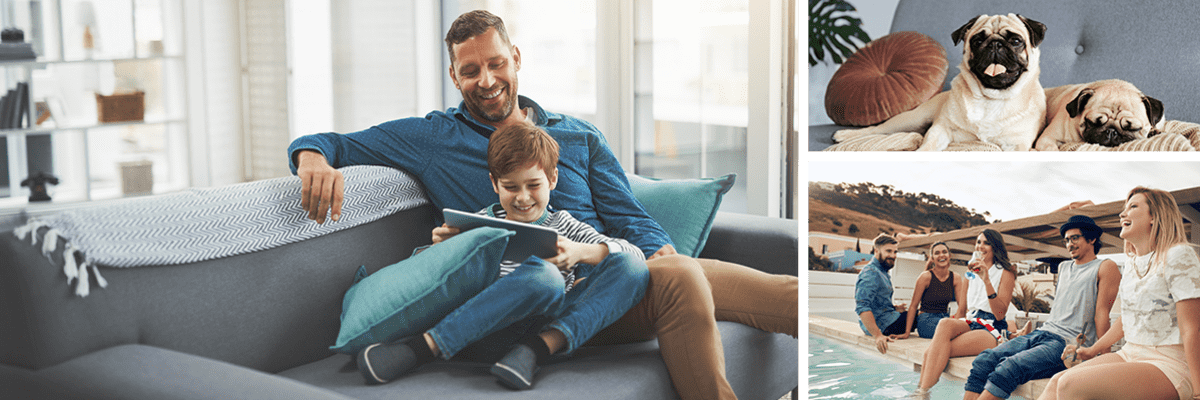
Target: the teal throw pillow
(411, 296)
(685, 208)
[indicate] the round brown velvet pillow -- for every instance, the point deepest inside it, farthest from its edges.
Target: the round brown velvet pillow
(888, 76)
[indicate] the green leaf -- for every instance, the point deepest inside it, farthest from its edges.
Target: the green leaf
(833, 33)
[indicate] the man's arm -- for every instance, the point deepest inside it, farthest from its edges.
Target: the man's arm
(1106, 295)
(864, 288)
(314, 159)
(621, 213)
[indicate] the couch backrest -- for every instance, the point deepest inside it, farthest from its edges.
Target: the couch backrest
(1145, 43)
(270, 310)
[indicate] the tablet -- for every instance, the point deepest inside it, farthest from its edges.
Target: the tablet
(530, 240)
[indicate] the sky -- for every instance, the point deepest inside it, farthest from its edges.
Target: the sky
(1014, 190)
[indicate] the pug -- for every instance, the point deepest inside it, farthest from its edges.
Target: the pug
(1107, 113)
(996, 97)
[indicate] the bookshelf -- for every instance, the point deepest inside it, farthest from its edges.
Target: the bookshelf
(122, 56)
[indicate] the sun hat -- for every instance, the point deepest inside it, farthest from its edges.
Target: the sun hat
(1082, 222)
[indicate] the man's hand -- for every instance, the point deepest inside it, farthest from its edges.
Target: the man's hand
(1087, 353)
(444, 233)
(902, 307)
(900, 337)
(664, 251)
(881, 343)
(321, 186)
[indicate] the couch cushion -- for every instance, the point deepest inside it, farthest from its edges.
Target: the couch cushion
(411, 296)
(269, 310)
(145, 372)
(685, 208)
(759, 365)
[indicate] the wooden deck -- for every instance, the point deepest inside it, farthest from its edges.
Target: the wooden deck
(909, 351)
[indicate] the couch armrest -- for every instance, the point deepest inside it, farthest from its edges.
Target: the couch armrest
(144, 372)
(763, 243)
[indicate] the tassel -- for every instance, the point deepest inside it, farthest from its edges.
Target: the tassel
(23, 230)
(99, 279)
(81, 289)
(50, 242)
(69, 263)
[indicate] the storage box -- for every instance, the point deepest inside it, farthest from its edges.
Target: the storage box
(121, 107)
(137, 178)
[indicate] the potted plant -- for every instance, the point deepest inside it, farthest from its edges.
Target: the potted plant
(833, 29)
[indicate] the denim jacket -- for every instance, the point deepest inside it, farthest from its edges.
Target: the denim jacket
(873, 292)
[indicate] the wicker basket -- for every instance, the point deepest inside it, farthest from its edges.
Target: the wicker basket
(121, 107)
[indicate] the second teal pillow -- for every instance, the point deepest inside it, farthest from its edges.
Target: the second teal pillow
(685, 208)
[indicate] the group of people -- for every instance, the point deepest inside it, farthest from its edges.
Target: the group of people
(1158, 289)
(617, 277)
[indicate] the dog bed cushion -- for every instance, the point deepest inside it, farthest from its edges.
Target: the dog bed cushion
(888, 76)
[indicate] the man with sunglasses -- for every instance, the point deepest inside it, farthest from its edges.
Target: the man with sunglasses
(1087, 288)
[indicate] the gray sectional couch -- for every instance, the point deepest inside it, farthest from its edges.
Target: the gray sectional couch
(258, 326)
(1145, 43)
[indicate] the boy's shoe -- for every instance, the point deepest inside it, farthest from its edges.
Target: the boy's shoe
(516, 369)
(384, 362)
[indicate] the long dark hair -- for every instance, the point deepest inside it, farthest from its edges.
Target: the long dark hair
(999, 252)
(929, 266)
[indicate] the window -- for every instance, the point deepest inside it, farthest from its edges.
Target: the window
(691, 106)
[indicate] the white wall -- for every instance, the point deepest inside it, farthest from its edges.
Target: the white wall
(877, 20)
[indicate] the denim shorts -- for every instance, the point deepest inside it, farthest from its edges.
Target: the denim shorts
(999, 325)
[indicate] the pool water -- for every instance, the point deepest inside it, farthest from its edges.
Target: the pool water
(840, 371)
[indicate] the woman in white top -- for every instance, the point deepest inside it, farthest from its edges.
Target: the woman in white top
(1160, 314)
(990, 289)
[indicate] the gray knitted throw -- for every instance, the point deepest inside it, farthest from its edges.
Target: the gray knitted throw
(205, 224)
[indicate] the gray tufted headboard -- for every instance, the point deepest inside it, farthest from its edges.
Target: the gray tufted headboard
(1150, 44)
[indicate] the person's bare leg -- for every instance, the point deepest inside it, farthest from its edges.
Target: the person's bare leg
(555, 340)
(1115, 379)
(959, 340)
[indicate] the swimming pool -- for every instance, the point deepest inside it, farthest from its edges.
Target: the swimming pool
(840, 371)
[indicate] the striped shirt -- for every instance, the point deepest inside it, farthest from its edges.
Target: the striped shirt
(568, 227)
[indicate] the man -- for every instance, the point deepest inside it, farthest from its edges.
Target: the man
(447, 152)
(873, 295)
(1087, 288)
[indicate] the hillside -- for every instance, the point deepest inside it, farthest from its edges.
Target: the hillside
(825, 217)
(865, 210)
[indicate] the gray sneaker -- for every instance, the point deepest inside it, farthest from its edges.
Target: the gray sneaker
(384, 362)
(516, 369)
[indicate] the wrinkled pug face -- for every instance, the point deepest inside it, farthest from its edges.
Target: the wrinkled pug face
(1110, 115)
(999, 47)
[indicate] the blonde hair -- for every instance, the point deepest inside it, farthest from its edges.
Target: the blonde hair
(1167, 228)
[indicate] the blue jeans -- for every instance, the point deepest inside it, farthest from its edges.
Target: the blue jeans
(535, 289)
(928, 322)
(1001, 369)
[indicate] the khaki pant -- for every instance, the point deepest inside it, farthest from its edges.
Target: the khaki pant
(684, 300)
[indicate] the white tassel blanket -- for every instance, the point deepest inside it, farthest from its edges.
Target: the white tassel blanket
(205, 224)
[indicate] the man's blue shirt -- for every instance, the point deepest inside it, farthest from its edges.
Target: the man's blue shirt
(873, 292)
(447, 151)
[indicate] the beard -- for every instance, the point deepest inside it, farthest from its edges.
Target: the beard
(498, 112)
(886, 264)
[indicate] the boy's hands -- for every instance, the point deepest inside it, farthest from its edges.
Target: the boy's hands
(321, 186)
(571, 253)
(444, 233)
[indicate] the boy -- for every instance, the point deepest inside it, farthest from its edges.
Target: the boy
(591, 283)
